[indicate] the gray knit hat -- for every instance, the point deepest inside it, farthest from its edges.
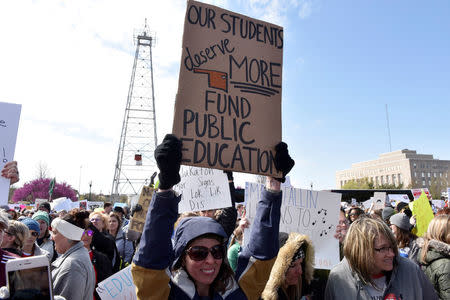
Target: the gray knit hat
(401, 221)
(387, 213)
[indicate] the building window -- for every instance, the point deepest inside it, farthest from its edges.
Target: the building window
(382, 179)
(440, 175)
(423, 182)
(429, 182)
(415, 166)
(423, 174)
(429, 175)
(394, 179)
(341, 183)
(400, 179)
(435, 175)
(388, 179)
(376, 180)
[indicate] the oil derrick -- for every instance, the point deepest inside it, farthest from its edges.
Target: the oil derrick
(135, 157)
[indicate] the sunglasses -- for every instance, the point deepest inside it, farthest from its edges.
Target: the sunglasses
(199, 253)
(88, 233)
(34, 233)
(93, 220)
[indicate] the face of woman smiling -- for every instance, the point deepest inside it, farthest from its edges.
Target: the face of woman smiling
(205, 271)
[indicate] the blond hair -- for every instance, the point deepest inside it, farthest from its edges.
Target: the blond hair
(20, 231)
(439, 230)
(104, 218)
(359, 245)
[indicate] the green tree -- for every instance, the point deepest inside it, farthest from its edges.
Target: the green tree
(366, 184)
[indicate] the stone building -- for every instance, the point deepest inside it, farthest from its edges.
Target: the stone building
(402, 166)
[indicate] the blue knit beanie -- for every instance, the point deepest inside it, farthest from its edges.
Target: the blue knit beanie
(32, 224)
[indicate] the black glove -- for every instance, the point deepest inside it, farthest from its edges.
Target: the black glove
(283, 161)
(135, 209)
(168, 159)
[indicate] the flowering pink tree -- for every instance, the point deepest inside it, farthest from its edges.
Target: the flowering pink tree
(39, 188)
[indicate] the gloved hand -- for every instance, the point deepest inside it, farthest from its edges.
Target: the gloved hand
(283, 161)
(168, 158)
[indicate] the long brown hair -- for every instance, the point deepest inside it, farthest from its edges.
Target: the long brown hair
(359, 245)
(404, 237)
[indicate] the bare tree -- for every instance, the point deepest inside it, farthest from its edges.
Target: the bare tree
(42, 170)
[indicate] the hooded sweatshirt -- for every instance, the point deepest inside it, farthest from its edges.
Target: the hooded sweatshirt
(151, 268)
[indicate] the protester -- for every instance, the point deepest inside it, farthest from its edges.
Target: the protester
(372, 268)
(14, 237)
(195, 274)
(119, 210)
(30, 248)
(293, 270)
(102, 241)
(124, 247)
(400, 227)
(107, 208)
(354, 214)
(44, 240)
(100, 262)
(72, 272)
(236, 243)
(435, 255)
(387, 213)
(4, 255)
(45, 206)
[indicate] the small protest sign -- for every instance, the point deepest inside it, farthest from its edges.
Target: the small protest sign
(118, 286)
(418, 192)
(309, 212)
(228, 105)
(138, 220)
(60, 204)
(202, 189)
(92, 205)
(424, 214)
(398, 198)
(9, 125)
(83, 204)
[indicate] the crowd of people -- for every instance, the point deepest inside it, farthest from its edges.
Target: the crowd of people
(202, 255)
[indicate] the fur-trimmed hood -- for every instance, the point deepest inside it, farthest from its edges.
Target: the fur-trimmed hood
(283, 261)
(443, 249)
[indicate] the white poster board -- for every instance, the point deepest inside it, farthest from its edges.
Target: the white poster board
(118, 286)
(202, 189)
(60, 204)
(308, 212)
(9, 125)
(438, 204)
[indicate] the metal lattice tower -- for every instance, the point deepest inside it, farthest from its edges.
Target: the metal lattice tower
(138, 140)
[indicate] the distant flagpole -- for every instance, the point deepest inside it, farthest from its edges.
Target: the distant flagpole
(388, 129)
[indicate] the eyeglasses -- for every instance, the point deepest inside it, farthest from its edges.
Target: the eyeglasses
(199, 253)
(88, 233)
(384, 250)
(8, 233)
(95, 220)
(34, 233)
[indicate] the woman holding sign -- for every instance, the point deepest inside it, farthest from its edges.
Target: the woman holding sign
(197, 261)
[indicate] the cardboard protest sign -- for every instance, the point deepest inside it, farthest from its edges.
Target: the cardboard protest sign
(228, 106)
(9, 125)
(309, 212)
(423, 212)
(202, 189)
(138, 220)
(118, 286)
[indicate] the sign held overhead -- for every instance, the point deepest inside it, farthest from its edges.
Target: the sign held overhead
(228, 106)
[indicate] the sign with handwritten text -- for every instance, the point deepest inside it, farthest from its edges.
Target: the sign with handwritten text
(118, 286)
(9, 125)
(228, 106)
(202, 189)
(137, 221)
(307, 212)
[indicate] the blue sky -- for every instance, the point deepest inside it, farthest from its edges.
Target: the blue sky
(343, 62)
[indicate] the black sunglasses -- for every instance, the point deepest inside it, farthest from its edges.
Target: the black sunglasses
(34, 233)
(199, 253)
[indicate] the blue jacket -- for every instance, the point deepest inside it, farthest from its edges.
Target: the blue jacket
(152, 262)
